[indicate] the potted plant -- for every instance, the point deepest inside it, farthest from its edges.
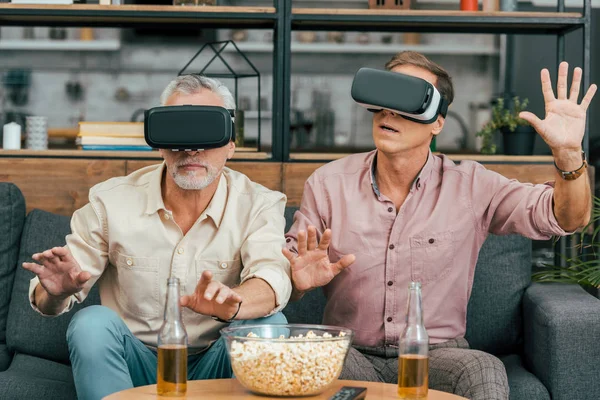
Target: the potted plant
(584, 267)
(518, 135)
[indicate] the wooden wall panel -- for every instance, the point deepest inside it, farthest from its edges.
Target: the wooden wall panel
(294, 177)
(267, 174)
(58, 186)
(61, 185)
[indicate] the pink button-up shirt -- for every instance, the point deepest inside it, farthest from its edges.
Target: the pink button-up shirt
(434, 239)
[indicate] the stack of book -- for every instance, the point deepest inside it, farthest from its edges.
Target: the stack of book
(112, 136)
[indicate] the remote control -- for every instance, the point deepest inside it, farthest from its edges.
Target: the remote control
(350, 393)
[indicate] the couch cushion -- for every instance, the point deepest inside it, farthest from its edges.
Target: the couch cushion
(522, 383)
(494, 315)
(28, 332)
(35, 378)
(12, 218)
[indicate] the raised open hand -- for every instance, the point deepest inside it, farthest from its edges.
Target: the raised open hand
(564, 125)
(59, 273)
(311, 268)
(212, 298)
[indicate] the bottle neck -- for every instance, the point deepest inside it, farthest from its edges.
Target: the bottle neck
(414, 316)
(172, 308)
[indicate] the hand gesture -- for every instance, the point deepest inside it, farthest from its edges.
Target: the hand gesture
(212, 298)
(59, 273)
(311, 267)
(563, 127)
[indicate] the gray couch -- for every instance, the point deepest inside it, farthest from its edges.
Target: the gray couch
(546, 335)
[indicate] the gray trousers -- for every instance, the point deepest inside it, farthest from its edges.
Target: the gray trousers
(453, 368)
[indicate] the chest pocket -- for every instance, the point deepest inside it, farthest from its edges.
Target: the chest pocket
(138, 284)
(225, 271)
(432, 256)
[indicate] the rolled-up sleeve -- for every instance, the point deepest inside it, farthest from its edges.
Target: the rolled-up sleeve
(88, 244)
(507, 206)
(261, 253)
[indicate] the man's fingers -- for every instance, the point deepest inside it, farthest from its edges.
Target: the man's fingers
(222, 294)
(301, 243)
(547, 86)
(235, 297)
(49, 255)
(343, 263)
(312, 238)
(585, 103)
(325, 240)
(575, 85)
(205, 279)
(184, 300)
(533, 120)
(288, 254)
(561, 84)
(33, 267)
(60, 251)
(211, 290)
(83, 277)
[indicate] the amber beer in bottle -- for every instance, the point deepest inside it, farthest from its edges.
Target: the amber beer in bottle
(171, 372)
(413, 362)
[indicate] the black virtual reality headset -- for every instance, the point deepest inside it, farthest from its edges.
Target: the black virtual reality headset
(188, 127)
(413, 98)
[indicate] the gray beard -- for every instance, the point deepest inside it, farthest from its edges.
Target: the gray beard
(189, 181)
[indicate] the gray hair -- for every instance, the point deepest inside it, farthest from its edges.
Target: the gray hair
(191, 84)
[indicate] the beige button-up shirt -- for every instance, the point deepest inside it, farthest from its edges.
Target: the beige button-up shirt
(130, 244)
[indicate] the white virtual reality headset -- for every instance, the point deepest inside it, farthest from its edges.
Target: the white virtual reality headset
(413, 98)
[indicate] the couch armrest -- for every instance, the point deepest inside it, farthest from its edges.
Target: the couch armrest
(562, 339)
(5, 357)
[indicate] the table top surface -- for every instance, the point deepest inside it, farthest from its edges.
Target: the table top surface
(218, 389)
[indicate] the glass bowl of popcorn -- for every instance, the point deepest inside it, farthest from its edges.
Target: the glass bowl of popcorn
(288, 359)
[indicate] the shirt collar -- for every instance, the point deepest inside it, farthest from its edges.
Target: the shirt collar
(420, 179)
(154, 191)
(215, 209)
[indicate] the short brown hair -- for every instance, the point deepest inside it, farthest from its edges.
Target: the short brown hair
(443, 81)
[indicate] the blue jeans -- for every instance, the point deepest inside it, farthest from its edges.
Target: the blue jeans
(107, 358)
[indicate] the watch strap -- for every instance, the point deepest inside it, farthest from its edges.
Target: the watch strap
(572, 175)
(231, 319)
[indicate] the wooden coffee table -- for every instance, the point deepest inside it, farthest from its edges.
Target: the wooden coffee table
(231, 389)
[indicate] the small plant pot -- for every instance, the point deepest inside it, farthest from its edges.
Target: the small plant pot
(520, 142)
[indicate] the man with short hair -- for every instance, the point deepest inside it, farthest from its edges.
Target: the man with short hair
(372, 222)
(191, 218)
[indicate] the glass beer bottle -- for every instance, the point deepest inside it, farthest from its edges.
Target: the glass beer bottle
(171, 373)
(413, 360)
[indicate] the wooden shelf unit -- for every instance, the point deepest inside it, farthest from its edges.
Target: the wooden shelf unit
(434, 21)
(137, 15)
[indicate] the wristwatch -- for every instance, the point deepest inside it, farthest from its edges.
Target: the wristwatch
(231, 319)
(572, 175)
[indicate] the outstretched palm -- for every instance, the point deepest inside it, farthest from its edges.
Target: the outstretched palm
(59, 272)
(564, 124)
(311, 268)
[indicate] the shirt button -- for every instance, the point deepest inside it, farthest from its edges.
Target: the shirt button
(431, 240)
(390, 209)
(167, 216)
(390, 283)
(223, 265)
(389, 319)
(392, 247)
(129, 262)
(180, 250)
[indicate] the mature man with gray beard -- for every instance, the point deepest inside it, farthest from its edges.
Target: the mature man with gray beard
(191, 218)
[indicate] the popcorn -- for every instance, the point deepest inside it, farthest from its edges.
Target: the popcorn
(288, 369)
